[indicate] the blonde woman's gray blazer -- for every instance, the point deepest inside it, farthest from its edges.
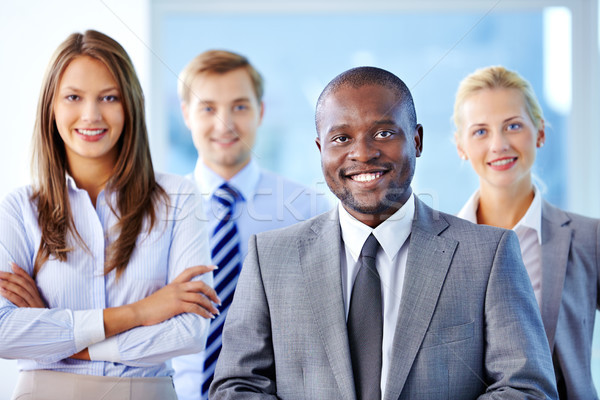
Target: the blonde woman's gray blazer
(570, 295)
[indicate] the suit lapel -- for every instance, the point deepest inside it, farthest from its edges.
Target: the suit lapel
(556, 242)
(320, 263)
(429, 257)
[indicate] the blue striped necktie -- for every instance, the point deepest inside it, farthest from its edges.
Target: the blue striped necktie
(225, 244)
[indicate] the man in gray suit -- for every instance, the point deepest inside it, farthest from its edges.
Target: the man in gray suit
(433, 307)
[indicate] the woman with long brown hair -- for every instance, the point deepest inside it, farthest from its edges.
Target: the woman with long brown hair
(500, 127)
(104, 263)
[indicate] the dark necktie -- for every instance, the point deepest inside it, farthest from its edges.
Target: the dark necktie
(225, 244)
(365, 325)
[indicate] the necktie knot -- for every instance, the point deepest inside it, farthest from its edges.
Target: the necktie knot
(225, 195)
(370, 247)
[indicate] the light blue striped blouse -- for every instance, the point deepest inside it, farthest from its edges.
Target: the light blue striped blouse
(77, 291)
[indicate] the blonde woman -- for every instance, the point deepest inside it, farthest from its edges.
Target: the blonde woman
(499, 129)
(101, 258)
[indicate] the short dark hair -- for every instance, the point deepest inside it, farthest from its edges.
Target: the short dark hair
(365, 76)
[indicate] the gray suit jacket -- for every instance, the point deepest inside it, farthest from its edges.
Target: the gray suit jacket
(570, 297)
(468, 324)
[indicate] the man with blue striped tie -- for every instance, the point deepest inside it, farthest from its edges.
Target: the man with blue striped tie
(221, 100)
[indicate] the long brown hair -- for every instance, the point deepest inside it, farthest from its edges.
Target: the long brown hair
(133, 181)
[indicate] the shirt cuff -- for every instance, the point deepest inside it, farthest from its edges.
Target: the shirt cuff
(106, 350)
(88, 328)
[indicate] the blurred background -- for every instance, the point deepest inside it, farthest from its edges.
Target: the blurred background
(299, 46)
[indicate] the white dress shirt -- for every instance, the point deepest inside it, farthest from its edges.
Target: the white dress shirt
(529, 232)
(77, 291)
(393, 237)
(268, 201)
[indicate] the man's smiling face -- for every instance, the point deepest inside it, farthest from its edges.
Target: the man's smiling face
(368, 150)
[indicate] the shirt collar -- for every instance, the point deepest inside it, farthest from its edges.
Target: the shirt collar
(391, 233)
(469, 210)
(532, 218)
(244, 182)
(71, 184)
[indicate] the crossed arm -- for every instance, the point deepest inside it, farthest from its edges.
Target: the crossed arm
(173, 315)
(180, 296)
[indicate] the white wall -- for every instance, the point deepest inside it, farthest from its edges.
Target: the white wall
(30, 30)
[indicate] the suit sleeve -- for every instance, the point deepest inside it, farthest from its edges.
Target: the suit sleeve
(246, 365)
(517, 356)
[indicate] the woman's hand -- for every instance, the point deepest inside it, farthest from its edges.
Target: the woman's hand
(20, 288)
(178, 297)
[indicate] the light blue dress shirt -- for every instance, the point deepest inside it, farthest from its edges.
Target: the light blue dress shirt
(268, 201)
(76, 291)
